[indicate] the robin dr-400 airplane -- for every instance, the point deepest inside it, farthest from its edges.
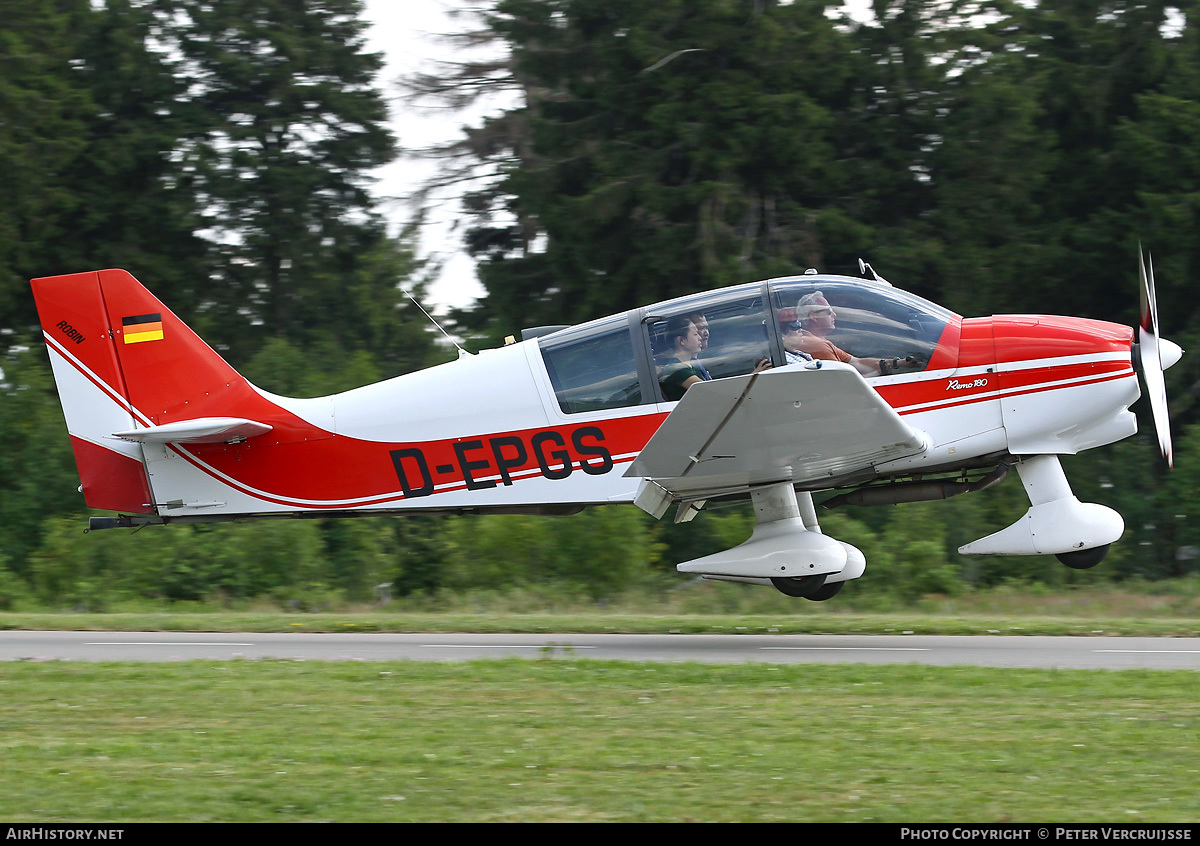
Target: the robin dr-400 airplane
(769, 390)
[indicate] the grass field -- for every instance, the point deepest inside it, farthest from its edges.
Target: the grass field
(563, 739)
(572, 740)
(604, 621)
(1136, 609)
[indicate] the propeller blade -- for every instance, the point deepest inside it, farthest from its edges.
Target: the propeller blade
(1148, 317)
(1151, 358)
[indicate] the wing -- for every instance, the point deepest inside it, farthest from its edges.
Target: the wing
(803, 423)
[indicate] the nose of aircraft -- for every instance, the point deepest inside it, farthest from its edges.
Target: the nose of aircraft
(1169, 352)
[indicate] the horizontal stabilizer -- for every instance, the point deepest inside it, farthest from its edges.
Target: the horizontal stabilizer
(202, 430)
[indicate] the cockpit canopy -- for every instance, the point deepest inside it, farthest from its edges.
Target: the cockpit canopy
(640, 357)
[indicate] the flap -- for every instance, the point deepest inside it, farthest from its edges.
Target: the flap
(202, 430)
(800, 423)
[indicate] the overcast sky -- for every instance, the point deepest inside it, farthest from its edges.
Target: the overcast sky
(405, 31)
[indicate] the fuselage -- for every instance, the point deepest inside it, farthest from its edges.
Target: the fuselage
(556, 420)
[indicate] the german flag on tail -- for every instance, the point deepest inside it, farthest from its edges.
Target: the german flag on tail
(142, 327)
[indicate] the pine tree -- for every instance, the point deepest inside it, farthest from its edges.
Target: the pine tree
(44, 106)
(133, 207)
(284, 123)
(661, 148)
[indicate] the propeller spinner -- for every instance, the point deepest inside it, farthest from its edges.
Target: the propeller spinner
(1155, 354)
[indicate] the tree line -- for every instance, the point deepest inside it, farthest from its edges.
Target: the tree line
(993, 156)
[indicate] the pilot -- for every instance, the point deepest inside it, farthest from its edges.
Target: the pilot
(815, 318)
(681, 369)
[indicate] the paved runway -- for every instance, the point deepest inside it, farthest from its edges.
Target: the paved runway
(988, 651)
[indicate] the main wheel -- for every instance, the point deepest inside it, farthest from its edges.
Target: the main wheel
(803, 586)
(1084, 559)
(824, 592)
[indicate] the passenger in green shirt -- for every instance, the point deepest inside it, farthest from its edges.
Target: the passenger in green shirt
(681, 370)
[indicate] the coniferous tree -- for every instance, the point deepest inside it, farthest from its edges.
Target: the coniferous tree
(118, 148)
(993, 155)
(44, 108)
(285, 121)
(134, 206)
(661, 148)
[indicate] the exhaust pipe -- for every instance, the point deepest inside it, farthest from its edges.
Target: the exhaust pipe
(924, 491)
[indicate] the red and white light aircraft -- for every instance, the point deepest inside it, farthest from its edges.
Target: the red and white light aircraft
(165, 431)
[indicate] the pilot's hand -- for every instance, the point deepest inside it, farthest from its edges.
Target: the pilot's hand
(888, 366)
(763, 364)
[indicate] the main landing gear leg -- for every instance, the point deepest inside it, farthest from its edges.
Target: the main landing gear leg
(856, 562)
(786, 549)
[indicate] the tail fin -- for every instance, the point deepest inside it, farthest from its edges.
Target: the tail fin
(124, 364)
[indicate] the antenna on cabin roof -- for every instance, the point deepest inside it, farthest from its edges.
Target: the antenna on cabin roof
(461, 351)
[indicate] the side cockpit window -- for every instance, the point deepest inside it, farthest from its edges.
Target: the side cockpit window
(879, 330)
(592, 367)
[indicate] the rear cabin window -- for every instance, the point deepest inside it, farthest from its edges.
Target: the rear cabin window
(592, 367)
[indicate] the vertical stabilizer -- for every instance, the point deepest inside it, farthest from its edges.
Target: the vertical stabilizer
(122, 361)
(169, 372)
(94, 398)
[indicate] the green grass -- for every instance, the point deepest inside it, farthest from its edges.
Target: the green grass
(1137, 609)
(612, 621)
(574, 740)
(561, 739)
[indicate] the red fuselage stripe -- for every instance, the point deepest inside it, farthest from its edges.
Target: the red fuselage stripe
(478, 462)
(971, 399)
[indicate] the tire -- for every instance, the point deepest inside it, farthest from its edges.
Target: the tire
(824, 592)
(801, 586)
(1084, 559)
